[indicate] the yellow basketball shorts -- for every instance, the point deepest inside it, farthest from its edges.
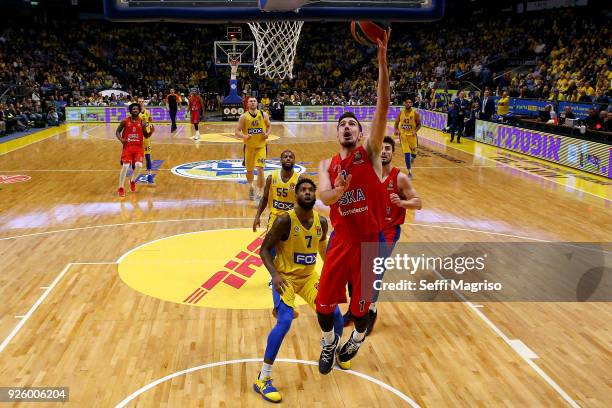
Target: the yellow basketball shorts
(254, 157)
(147, 146)
(409, 143)
(305, 287)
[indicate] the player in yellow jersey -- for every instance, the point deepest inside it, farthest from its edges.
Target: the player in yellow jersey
(296, 237)
(254, 128)
(279, 192)
(145, 115)
(406, 127)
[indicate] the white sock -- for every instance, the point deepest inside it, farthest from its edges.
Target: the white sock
(373, 307)
(329, 337)
(137, 169)
(122, 174)
(358, 337)
(266, 371)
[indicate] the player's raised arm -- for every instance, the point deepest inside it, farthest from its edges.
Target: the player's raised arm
(263, 203)
(279, 231)
(330, 194)
(119, 132)
(379, 123)
(412, 200)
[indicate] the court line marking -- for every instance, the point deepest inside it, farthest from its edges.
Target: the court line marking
(504, 165)
(118, 261)
(258, 360)
(57, 133)
(243, 218)
(250, 218)
(480, 231)
(42, 297)
(511, 343)
(308, 168)
(123, 225)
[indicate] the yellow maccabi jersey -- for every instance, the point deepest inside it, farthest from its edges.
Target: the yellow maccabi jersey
(407, 123)
(297, 255)
(256, 127)
(145, 115)
(281, 197)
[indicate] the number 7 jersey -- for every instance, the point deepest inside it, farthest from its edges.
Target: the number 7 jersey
(297, 255)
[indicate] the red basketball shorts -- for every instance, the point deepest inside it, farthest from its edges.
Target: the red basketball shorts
(347, 260)
(132, 154)
(195, 117)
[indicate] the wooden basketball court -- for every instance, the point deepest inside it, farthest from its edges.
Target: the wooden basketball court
(67, 318)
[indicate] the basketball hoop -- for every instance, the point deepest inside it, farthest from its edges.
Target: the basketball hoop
(276, 46)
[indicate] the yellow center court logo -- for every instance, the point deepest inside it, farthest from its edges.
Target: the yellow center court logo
(216, 269)
(229, 169)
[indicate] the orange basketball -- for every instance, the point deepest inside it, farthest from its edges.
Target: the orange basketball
(367, 32)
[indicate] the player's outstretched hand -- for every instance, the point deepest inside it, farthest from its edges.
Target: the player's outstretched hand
(395, 199)
(256, 224)
(342, 182)
(382, 45)
(279, 284)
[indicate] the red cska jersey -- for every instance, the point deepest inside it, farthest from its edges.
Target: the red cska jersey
(394, 215)
(132, 132)
(359, 213)
(195, 104)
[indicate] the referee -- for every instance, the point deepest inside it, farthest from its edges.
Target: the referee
(172, 101)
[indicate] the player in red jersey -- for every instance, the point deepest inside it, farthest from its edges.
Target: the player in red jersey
(196, 107)
(400, 196)
(131, 133)
(350, 185)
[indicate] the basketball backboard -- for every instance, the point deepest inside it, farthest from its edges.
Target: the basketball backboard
(249, 10)
(242, 51)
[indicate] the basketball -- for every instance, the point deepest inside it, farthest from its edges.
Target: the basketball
(367, 32)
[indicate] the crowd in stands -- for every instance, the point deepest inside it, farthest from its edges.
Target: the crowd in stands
(566, 54)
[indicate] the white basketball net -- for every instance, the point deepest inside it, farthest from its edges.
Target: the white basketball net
(276, 45)
(234, 64)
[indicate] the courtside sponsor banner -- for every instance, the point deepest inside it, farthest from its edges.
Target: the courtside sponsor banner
(531, 107)
(579, 154)
(488, 272)
(430, 119)
(109, 114)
